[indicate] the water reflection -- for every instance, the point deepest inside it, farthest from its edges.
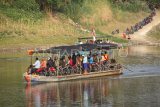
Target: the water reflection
(80, 93)
(139, 88)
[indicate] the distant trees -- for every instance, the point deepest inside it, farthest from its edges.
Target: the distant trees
(49, 5)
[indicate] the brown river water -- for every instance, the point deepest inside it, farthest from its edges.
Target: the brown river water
(140, 88)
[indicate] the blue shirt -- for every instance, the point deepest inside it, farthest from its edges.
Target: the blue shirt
(90, 60)
(85, 59)
(37, 64)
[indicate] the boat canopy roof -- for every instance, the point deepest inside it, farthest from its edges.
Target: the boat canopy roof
(92, 37)
(67, 50)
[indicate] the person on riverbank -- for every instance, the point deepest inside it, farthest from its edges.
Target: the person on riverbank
(127, 31)
(43, 64)
(36, 64)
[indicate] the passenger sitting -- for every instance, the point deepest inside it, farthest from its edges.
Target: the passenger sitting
(113, 60)
(70, 62)
(30, 69)
(36, 64)
(113, 63)
(43, 64)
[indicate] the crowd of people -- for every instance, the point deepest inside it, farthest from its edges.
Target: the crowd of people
(98, 41)
(143, 22)
(114, 32)
(85, 61)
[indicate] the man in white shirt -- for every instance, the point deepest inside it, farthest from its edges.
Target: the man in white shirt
(85, 63)
(36, 64)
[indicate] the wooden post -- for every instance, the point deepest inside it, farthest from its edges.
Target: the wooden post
(31, 59)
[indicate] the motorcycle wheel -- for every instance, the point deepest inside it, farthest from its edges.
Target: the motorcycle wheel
(89, 69)
(41, 73)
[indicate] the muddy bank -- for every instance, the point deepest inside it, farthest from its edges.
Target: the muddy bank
(141, 43)
(26, 48)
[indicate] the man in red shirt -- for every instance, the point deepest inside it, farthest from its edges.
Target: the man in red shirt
(70, 62)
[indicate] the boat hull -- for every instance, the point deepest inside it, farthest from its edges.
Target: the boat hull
(32, 78)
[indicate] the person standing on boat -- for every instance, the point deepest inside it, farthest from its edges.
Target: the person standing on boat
(90, 59)
(63, 61)
(102, 57)
(85, 63)
(74, 59)
(70, 62)
(49, 63)
(95, 58)
(36, 64)
(56, 63)
(105, 57)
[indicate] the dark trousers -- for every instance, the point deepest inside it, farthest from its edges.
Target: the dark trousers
(34, 70)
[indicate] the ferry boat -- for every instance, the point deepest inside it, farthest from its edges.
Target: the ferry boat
(93, 48)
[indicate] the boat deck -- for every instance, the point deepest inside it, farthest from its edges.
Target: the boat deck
(32, 78)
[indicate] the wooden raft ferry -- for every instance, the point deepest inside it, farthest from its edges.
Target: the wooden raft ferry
(32, 78)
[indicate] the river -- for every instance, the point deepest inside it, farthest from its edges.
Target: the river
(140, 88)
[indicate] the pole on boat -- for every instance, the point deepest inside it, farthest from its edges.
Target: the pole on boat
(31, 59)
(100, 58)
(127, 68)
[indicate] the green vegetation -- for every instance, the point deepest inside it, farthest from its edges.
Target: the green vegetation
(154, 32)
(31, 22)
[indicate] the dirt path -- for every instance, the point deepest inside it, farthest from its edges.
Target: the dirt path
(141, 34)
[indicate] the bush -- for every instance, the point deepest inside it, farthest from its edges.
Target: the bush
(23, 10)
(131, 6)
(74, 10)
(27, 5)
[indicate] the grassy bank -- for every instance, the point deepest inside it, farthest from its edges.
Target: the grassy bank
(154, 32)
(25, 27)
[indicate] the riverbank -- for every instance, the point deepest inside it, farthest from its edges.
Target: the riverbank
(43, 47)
